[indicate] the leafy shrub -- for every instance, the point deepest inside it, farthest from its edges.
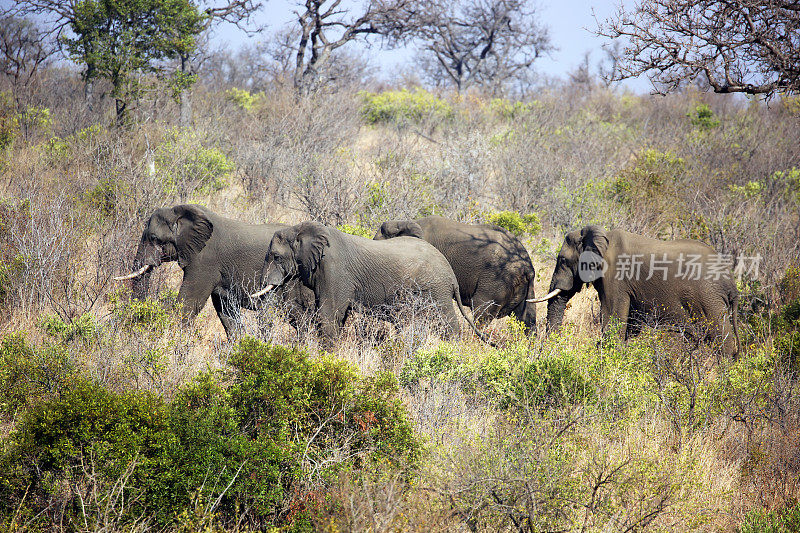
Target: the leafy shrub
(9, 123)
(516, 223)
(84, 328)
(703, 117)
(774, 521)
(244, 99)
(355, 229)
(254, 440)
(509, 110)
(59, 149)
(504, 377)
(104, 196)
(29, 374)
(149, 315)
(185, 165)
(403, 105)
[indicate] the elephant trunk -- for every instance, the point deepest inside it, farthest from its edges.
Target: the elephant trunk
(147, 254)
(555, 310)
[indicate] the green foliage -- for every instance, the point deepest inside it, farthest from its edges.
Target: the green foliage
(649, 187)
(9, 125)
(179, 82)
(60, 149)
(146, 316)
(104, 196)
(751, 189)
(244, 99)
(790, 179)
(255, 439)
(652, 175)
(786, 520)
(355, 229)
(506, 378)
(84, 328)
(703, 117)
(403, 105)
(119, 39)
(509, 110)
(183, 162)
(517, 224)
(29, 374)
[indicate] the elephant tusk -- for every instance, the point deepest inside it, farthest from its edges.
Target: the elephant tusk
(551, 294)
(134, 274)
(262, 292)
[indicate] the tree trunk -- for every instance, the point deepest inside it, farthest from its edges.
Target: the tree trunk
(184, 96)
(122, 112)
(185, 103)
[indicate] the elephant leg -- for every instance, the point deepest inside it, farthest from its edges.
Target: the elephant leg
(618, 309)
(330, 320)
(484, 309)
(228, 312)
(194, 293)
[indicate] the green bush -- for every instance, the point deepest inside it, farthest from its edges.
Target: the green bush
(84, 327)
(508, 377)
(509, 110)
(29, 374)
(403, 105)
(104, 196)
(256, 439)
(355, 229)
(785, 520)
(703, 117)
(515, 223)
(150, 315)
(244, 99)
(184, 163)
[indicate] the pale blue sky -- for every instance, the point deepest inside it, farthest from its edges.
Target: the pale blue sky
(570, 23)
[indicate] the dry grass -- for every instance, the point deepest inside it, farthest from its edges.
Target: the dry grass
(575, 466)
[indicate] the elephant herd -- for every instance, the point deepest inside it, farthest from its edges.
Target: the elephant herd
(314, 268)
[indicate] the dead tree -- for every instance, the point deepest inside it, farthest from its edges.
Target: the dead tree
(327, 25)
(736, 46)
(479, 42)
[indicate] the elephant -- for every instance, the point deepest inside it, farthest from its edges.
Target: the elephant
(494, 271)
(641, 280)
(346, 272)
(221, 258)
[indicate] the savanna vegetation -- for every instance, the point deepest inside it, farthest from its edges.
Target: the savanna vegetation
(117, 415)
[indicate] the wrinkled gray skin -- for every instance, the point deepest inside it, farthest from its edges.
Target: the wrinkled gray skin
(710, 304)
(221, 258)
(494, 271)
(346, 272)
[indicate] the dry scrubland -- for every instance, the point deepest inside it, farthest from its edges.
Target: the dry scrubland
(114, 415)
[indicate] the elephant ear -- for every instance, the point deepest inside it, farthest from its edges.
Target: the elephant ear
(309, 247)
(193, 229)
(594, 239)
(409, 228)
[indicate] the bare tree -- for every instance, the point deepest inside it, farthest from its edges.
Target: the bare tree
(23, 50)
(479, 42)
(744, 46)
(326, 26)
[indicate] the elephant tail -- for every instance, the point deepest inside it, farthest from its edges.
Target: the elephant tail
(457, 297)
